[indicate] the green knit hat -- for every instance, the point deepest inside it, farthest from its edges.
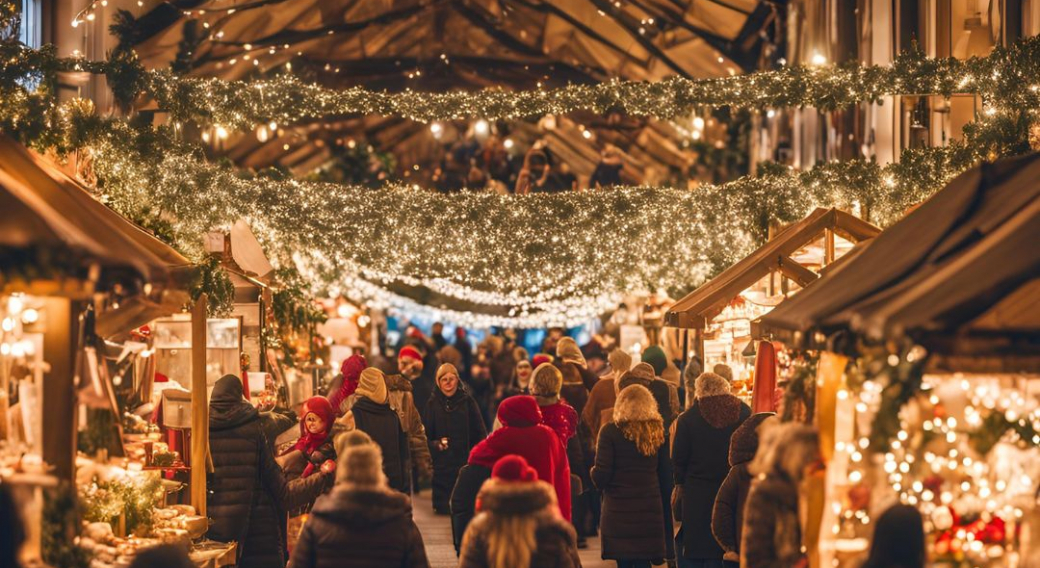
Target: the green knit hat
(657, 359)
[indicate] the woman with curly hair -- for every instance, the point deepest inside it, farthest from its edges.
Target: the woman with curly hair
(631, 471)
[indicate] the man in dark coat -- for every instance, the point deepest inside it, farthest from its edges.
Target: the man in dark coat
(373, 415)
(362, 523)
(700, 459)
(248, 494)
(727, 519)
(453, 426)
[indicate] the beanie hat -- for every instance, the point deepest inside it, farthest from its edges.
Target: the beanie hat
(620, 362)
(513, 468)
(352, 367)
(657, 359)
(631, 378)
(541, 358)
(446, 369)
(361, 465)
(349, 439)
(690, 374)
(644, 371)
(568, 352)
(409, 352)
(710, 384)
(546, 380)
(372, 385)
(723, 370)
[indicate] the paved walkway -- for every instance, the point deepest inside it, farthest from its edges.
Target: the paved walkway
(436, 532)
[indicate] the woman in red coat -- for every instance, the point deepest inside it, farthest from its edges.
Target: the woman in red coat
(523, 434)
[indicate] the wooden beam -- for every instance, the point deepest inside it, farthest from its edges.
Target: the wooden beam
(199, 406)
(58, 399)
(791, 269)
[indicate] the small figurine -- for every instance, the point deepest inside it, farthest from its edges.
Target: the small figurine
(316, 421)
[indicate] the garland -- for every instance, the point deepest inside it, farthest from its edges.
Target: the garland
(1004, 79)
(213, 280)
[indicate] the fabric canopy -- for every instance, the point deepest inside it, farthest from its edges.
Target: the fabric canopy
(955, 265)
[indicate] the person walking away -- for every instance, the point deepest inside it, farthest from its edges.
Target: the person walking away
(437, 336)
(898, 539)
(453, 425)
(700, 460)
(608, 170)
(401, 399)
(248, 494)
(534, 176)
(558, 415)
(372, 415)
(361, 523)
(522, 433)
(727, 518)
(666, 393)
(772, 536)
(630, 471)
(342, 389)
(603, 394)
(519, 524)
(572, 362)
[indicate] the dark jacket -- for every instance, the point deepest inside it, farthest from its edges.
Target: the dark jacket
(458, 419)
(727, 518)
(360, 528)
(464, 499)
(633, 518)
(556, 540)
(399, 390)
(248, 494)
(700, 459)
(772, 536)
(381, 423)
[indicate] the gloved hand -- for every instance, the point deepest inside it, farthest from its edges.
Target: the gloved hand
(329, 467)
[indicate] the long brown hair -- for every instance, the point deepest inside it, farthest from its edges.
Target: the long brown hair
(636, 415)
(511, 540)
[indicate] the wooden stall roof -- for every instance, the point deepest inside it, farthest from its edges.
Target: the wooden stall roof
(958, 273)
(704, 303)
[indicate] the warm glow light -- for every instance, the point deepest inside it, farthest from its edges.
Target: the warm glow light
(818, 59)
(481, 127)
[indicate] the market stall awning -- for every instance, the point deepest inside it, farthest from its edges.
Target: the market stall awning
(46, 210)
(963, 265)
(704, 303)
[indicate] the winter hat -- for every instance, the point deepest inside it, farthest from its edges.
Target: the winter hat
(644, 371)
(568, 352)
(446, 369)
(349, 439)
(409, 352)
(710, 384)
(541, 358)
(655, 356)
(635, 404)
(519, 411)
(620, 362)
(320, 406)
(513, 468)
(372, 385)
(629, 379)
(723, 370)
(744, 442)
(690, 373)
(361, 465)
(352, 367)
(546, 380)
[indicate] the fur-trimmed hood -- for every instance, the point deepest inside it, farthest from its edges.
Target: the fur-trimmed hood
(720, 411)
(635, 403)
(744, 443)
(516, 498)
(398, 382)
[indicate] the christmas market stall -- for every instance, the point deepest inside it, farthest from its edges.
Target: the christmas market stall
(928, 379)
(77, 280)
(722, 311)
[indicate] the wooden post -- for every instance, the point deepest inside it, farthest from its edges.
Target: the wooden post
(199, 406)
(828, 247)
(58, 393)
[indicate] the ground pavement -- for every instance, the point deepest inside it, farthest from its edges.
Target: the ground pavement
(436, 532)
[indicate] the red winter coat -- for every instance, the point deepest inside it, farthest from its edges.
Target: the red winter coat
(523, 434)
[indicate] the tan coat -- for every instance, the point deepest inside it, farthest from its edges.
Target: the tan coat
(401, 400)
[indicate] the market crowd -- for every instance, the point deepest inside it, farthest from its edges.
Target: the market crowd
(529, 456)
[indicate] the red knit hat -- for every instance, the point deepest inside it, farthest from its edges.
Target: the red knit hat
(409, 352)
(513, 468)
(541, 358)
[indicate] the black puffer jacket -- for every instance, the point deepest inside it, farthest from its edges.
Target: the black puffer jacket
(360, 528)
(248, 493)
(458, 419)
(464, 499)
(381, 423)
